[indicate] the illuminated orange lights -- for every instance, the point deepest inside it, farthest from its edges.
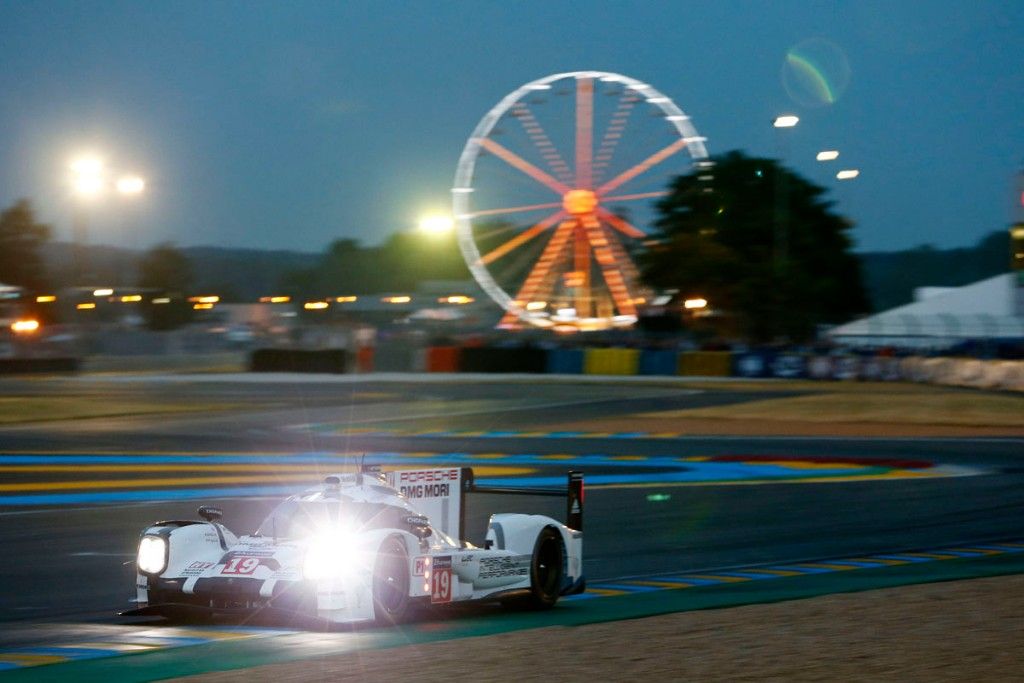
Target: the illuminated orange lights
(46, 299)
(584, 133)
(86, 306)
(202, 306)
(275, 299)
(644, 165)
(522, 238)
(346, 299)
(209, 299)
(458, 299)
(397, 299)
(26, 326)
(315, 305)
(579, 202)
(131, 298)
(523, 165)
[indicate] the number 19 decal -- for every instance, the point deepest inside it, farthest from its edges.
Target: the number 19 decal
(241, 565)
(441, 580)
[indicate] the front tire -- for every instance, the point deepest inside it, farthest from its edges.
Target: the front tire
(391, 583)
(547, 569)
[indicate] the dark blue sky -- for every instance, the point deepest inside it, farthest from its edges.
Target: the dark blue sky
(290, 124)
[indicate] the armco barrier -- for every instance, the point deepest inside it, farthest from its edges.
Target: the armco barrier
(564, 362)
(657, 362)
(21, 366)
(486, 359)
(442, 359)
(611, 361)
(295, 360)
(705, 363)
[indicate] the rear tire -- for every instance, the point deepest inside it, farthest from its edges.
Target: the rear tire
(391, 583)
(547, 569)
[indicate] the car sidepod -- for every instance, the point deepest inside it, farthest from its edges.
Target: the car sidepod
(520, 535)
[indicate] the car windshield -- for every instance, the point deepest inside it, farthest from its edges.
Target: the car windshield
(295, 519)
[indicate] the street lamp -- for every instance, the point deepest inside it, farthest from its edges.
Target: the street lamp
(436, 225)
(88, 182)
(128, 186)
(782, 193)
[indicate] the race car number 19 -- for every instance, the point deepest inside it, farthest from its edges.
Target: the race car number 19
(241, 565)
(441, 580)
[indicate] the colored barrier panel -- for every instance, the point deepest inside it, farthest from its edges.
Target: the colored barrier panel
(749, 364)
(295, 360)
(565, 361)
(364, 359)
(611, 361)
(658, 362)
(789, 365)
(443, 359)
(18, 366)
(705, 363)
(487, 359)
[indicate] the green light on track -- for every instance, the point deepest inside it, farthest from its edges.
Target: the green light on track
(658, 497)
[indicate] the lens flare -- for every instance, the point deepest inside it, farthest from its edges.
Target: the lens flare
(815, 73)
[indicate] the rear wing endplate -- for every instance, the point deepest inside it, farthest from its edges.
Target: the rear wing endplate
(573, 493)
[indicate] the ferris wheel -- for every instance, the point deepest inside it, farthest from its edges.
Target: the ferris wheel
(551, 237)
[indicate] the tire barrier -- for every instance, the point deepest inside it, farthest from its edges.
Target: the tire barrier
(705, 363)
(25, 366)
(295, 360)
(611, 361)
(967, 372)
(442, 359)
(485, 359)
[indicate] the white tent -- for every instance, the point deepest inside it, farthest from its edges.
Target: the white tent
(941, 317)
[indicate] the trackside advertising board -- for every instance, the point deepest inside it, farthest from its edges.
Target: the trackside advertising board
(436, 492)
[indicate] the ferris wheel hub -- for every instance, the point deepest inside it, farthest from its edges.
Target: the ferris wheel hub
(579, 202)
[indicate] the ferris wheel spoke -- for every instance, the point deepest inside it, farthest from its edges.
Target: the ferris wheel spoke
(634, 197)
(535, 280)
(544, 145)
(612, 135)
(523, 165)
(620, 224)
(584, 132)
(610, 270)
(643, 166)
(521, 238)
(515, 209)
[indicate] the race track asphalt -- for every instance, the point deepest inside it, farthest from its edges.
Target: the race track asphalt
(65, 563)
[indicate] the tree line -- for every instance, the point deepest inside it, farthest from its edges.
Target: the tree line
(763, 244)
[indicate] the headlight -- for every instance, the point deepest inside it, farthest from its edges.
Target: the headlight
(152, 557)
(330, 556)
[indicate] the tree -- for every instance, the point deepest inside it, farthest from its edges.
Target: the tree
(166, 269)
(21, 239)
(760, 243)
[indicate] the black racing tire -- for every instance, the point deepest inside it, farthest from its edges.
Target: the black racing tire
(391, 583)
(547, 569)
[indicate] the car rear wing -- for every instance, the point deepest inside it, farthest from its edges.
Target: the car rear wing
(573, 493)
(440, 494)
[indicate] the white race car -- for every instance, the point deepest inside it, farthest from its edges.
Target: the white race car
(356, 549)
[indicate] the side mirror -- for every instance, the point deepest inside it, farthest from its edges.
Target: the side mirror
(210, 513)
